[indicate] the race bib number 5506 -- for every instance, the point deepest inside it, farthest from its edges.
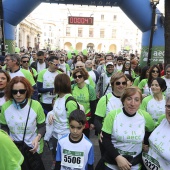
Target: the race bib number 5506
(149, 162)
(72, 159)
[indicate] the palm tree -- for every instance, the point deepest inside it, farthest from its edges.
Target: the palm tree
(167, 32)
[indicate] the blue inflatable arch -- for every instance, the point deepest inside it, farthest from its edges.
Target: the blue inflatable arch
(139, 11)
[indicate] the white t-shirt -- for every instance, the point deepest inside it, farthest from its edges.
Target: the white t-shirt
(40, 67)
(75, 156)
(159, 142)
(16, 120)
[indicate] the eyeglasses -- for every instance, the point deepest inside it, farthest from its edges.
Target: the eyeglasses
(79, 66)
(155, 71)
(25, 61)
(127, 63)
(78, 76)
(61, 60)
(168, 71)
(123, 83)
(168, 107)
(55, 64)
(21, 91)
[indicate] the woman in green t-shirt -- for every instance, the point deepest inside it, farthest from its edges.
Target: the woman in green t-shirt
(86, 96)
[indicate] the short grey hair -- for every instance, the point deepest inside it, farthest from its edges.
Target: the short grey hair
(14, 57)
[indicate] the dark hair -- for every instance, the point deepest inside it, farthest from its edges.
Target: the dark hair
(120, 58)
(107, 55)
(138, 70)
(129, 77)
(78, 115)
(150, 74)
(82, 71)
(161, 82)
(160, 65)
(16, 80)
(40, 53)
(75, 59)
(52, 58)
(124, 68)
(143, 73)
(62, 83)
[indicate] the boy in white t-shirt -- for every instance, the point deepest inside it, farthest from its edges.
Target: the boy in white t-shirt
(74, 150)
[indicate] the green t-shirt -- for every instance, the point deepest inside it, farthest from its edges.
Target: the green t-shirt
(10, 157)
(84, 95)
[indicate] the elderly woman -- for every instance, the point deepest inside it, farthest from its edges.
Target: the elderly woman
(20, 115)
(85, 94)
(123, 132)
(158, 156)
(155, 104)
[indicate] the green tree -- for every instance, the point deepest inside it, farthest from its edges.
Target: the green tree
(167, 32)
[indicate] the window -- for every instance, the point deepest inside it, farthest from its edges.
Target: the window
(102, 17)
(91, 32)
(114, 17)
(49, 28)
(67, 31)
(113, 33)
(101, 33)
(80, 32)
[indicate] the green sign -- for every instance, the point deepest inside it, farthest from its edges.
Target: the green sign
(157, 55)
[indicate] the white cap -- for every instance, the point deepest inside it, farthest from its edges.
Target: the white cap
(109, 63)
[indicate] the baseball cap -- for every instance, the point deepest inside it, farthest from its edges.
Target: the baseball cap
(109, 63)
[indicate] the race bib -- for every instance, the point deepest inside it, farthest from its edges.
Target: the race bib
(72, 159)
(149, 162)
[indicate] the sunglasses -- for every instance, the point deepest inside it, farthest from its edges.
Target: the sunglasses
(61, 60)
(39, 59)
(55, 64)
(118, 83)
(155, 71)
(79, 76)
(168, 107)
(21, 91)
(25, 61)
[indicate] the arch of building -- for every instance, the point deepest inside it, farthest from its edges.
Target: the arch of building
(139, 11)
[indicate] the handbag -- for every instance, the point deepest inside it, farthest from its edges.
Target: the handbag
(31, 161)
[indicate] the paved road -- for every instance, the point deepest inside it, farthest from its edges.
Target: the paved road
(47, 156)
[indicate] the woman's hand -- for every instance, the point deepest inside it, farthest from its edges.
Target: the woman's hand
(91, 126)
(35, 143)
(101, 136)
(51, 119)
(123, 163)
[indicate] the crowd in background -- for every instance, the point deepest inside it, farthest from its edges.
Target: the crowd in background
(127, 105)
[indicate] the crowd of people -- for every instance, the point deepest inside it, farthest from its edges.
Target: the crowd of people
(52, 99)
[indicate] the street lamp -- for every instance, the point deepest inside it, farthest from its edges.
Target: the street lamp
(153, 3)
